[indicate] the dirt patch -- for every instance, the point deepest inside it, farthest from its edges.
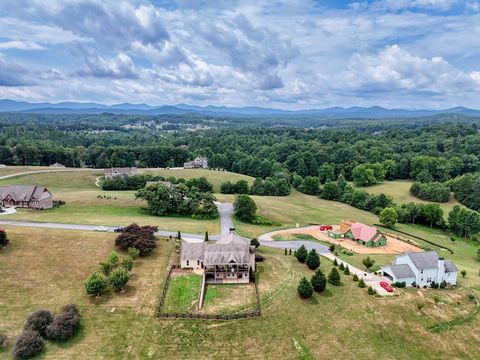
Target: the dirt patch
(394, 244)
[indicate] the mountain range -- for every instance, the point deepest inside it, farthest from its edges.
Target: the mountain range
(7, 105)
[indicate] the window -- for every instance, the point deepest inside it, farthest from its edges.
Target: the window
(198, 262)
(188, 263)
(421, 271)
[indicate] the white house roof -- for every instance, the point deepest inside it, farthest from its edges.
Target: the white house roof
(401, 271)
(192, 251)
(450, 267)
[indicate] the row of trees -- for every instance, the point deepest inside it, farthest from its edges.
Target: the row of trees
(466, 189)
(431, 191)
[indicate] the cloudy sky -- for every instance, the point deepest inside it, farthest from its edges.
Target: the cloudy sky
(289, 54)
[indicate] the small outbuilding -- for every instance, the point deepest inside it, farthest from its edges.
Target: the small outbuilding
(366, 235)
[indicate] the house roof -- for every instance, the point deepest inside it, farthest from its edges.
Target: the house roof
(23, 192)
(401, 271)
(226, 253)
(450, 267)
(192, 251)
(233, 238)
(424, 260)
(363, 232)
(119, 170)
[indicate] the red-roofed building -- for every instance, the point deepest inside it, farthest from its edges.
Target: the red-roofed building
(366, 235)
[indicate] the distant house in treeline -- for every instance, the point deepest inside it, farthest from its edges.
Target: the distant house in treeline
(57, 165)
(26, 196)
(167, 184)
(112, 173)
(198, 163)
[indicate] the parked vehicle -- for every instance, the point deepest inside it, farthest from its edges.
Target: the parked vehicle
(326, 227)
(386, 286)
(119, 229)
(101, 228)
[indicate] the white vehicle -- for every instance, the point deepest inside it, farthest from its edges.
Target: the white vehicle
(101, 228)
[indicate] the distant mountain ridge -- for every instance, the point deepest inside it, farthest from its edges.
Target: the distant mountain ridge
(7, 105)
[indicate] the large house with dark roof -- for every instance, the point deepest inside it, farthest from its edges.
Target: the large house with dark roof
(228, 260)
(421, 269)
(366, 235)
(199, 162)
(26, 196)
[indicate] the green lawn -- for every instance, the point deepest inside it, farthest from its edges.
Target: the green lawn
(229, 298)
(399, 190)
(46, 269)
(182, 293)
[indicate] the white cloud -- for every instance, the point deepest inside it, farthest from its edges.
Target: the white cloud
(20, 45)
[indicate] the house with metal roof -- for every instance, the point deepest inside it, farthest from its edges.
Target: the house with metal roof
(26, 196)
(421, 269)
(366, 235)
(228, 260)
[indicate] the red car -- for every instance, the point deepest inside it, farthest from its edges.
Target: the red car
(326, 227)
(386, 286)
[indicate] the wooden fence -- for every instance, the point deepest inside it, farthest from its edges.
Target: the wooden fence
(245, 315)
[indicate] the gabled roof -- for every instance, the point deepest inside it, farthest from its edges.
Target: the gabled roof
(226, 253)
(192, 251)
(450, 267)
(363, 232)
(424, 260)
(119, 170)
(23, 192)
(401, 271)
(233, 238)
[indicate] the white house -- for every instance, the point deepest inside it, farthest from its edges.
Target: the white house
(422, 269)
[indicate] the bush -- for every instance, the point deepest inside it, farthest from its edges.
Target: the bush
(3, 341)
(65, 324)
(3, 239)
(302, 254)
(370, 291)
(361, 283)
(434, 285)
(341, 267)
(319, 281)
(113, 258)
(133, 253)
(255, 243)
(355, 277)
(127, 263)
(399, 284)
(119, 278)
(335, 262)
(96, 284)
(463, 273)
(368, 262)
(28, 344)
(313, 260)
(38, 321)
(141, 238)
(443, 284)
(346, 271)
(334, 277)
(305, 289)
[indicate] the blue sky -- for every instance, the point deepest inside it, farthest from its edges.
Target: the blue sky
(289, 54)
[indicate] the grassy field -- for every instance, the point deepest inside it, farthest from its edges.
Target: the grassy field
(83, 206)
(229, 298)
(182, 294)
(298, 208)
(399, 190)
(18, 169)
(213, 176)
(46, 269)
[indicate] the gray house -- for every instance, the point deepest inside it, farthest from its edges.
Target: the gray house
(198, 163)
(229, 260)
(112, 173)
(26, 196)
(421, 269)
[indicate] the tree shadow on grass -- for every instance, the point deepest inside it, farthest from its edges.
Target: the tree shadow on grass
(326, 293)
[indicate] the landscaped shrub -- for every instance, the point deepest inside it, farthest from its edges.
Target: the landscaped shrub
(346, 271)
(113, 258)
(355, 277)
(133, 253)
(119, 278)
(38, 321)
(434, 285)
(3, 341)
(96, 284)
(334, 277)
(65, 324)
(127, 263)
(141, 238)
(361, 284)
(370, 291)
(335, 262)
(305, 289)
(255, 243)
(302, 254)
(368, 262)
(399, 284)
(463, 273)
(313, 260)
(319, 281)
(341, 267)
(3, 238)
(29, 343)
(443, 284)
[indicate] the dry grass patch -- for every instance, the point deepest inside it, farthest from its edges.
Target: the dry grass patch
(229, 298)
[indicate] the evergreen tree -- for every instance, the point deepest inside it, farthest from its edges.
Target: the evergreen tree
(96, 284)
(305, 289)
(371, 291)
(361, 283)
(341, 267)
(335, 262)
(346, 271)
(355, 277)
(334, 277)
(319, 281)
(302, 254)
(313, 260)
(206, 236)
(119, 278)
